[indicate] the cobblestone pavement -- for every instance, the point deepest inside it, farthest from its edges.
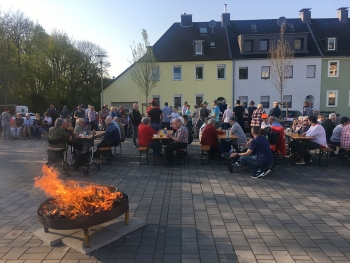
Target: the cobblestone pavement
(195, 213)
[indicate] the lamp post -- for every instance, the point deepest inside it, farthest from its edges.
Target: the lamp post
(101, 56)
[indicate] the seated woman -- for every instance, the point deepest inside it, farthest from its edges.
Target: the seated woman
(209, 137)
(47, 122)
(145, 134)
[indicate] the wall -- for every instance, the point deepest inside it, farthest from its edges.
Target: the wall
(124, 89)
(341, 83)
(299, 86)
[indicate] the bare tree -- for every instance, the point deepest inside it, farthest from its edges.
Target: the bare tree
(281, 61)
(144, 71)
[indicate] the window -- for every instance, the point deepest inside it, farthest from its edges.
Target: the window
(177, 73)
(288, 100)
(248, 45)
(243, 73)
(298, 43)
(332, 98)
(221, 71)
(265, 101)
(331, 44)
(244, 100)
(265, 72)
(155, 73)
(177, 101)
(156, 98)
(203, 30)
(199, 72)
(264, 45)
(199, 99)
(198, 47)
(212, 44)
(333, 68)
(288, 72)
(311, 71)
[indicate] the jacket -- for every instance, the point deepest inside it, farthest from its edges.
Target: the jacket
(209, 136)
(145, 134)
(112, 136)
(281, 145)
(57, 137)
(135, 117)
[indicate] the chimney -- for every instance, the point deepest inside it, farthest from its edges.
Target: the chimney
(305, 15)
(342, 14)
(186, 20)
(225, 17)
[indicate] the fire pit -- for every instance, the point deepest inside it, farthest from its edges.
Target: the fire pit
(78, 205)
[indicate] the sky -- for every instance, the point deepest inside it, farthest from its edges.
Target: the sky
(115, 24)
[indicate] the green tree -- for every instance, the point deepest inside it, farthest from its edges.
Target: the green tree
(144, 71)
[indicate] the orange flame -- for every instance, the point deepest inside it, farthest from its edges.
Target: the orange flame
(72, 199)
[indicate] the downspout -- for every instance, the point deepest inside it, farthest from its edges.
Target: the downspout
(233, 66)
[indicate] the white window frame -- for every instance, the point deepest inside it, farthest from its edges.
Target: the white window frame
(288, 72)
(195, 71)
(291, 100)
(267, 45)
(198, 42)
(261, 74)
(158, 75)
(301, 44)
(252, 45)
(177, 66)
(265, 101)
(176, 96)
(328, 68)
(334, 39)
(336, 98)
(217, 71)
(244, 99)
(314, 67)
(239, 76)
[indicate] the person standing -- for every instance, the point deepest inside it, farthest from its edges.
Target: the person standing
(216, 113)
(184, 108)
(223, 107)
(251, 109)
(92, 118)
(80, 113)
(64, 113)
(307, 110)
(257, 116)
(135, 118)
(166, 119)
(195, 120)
(5, 122)
(203, 113)
(226, 117)
(155, 115)
(188, 113)
(239, 111)
(276, 111)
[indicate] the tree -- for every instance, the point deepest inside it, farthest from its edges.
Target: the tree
(144, 71)
(281, 61)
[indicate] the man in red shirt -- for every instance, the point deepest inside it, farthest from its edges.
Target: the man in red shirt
(145, 134)
(209, 137)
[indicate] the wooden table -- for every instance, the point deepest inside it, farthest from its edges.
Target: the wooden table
(224, 137)
(296, 136)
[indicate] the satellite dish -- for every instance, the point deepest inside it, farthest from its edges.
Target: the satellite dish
(282, 21)
(212, 24)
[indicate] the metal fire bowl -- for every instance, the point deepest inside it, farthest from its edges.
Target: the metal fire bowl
(85, 221)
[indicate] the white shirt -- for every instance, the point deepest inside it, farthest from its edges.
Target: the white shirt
(319, 133)
(227, 115)
(264, 125)
(48, 119)
(174, 115)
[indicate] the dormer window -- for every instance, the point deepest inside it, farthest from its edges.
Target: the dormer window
(248, 45)
(203, 30)
(298, 43)
(331, 44)
(198, 47)
(212, 44)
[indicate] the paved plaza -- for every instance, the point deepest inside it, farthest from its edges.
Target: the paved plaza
(195, 213)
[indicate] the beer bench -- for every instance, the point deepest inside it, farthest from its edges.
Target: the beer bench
(143, 150)
(205, 152)
(106, 152)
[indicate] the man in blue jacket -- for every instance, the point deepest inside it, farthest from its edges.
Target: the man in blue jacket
(111, 138)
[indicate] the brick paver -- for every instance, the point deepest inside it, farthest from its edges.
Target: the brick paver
(195, 213)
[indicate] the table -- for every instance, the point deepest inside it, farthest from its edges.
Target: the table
(224, 137)
(161, 136)
(299, 137)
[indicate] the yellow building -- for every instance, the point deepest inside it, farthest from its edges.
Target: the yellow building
(194, 65)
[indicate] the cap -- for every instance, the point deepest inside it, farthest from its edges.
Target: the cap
(233, 118)
(264, 116)
(206, 103)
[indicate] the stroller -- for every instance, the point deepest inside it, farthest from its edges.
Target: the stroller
(82, 155)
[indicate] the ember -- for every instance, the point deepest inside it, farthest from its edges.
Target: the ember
(72, 199)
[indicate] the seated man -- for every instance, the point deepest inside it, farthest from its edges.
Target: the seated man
(209, 137)
(258, 156)
(18, 126)
(180, 139)
(237, 130)
(111, 138)
(335, 139)
(345, 137)
(189, 128)
(28, 126)
(329, 125)
(319, 140)
(80, 126)
(265, 121)
(57, 139)
(145, 133)
(273, 122)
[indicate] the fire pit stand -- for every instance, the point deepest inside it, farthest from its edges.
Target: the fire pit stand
(86, 221)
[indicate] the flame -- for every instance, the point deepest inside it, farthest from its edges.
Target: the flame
(74, 199)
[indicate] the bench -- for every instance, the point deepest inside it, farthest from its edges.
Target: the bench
(324, 151)
(184, 159)
(120, 149)
(205, 152)
(106, 152)
(143, 150)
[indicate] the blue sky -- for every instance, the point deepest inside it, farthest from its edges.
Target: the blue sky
(115, 24)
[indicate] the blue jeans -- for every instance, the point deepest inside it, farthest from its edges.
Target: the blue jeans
(157, 148)
(251, 162)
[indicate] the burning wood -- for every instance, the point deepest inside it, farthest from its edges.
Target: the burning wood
(73, 199)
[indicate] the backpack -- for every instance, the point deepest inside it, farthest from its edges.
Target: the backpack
(272, 137)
